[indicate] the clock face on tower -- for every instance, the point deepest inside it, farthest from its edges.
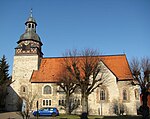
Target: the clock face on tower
(26, 42)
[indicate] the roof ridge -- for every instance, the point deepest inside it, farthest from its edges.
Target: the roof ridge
(84, 56)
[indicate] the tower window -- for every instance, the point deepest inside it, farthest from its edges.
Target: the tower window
(102, 94)
(23, 89)
(47, 90)
(32, 25)
(29, 26)
(125, 95)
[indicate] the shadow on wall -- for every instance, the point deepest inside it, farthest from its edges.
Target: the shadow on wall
(13, 101)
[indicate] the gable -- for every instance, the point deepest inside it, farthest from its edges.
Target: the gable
(119, 66)
(51, 67)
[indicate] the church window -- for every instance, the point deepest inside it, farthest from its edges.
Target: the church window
(60, 90)
(73, 101)
(29, 26)
(136, 94)
(102, 94)
(124, 95)
(77, 90)
(32, 25)
(46, 102)
(61, 102)
(47, 90)
(23, 89)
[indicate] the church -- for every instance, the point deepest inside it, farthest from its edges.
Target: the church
(35, 78)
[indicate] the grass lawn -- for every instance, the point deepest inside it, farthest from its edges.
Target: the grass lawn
(97, 117)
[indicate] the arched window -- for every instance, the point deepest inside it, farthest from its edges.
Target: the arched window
(124, 95)
(102, 94)
(47, 90)
(23, 89)
(77, 90)
(136, 94)
(32, 25)
(29, 26)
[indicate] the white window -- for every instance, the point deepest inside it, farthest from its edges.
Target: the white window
(62, 102)
(46, 102)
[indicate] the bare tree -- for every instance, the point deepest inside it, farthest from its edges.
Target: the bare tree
(68, 86)
(141, 73)
(24, 105)
(85, 68)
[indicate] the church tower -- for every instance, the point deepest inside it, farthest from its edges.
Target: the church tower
(29, 43)
(27, 58)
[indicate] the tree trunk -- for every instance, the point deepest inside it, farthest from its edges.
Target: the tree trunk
(67, 104)
(84, 103)
(145, 108)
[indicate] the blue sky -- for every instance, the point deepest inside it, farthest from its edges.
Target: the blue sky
(111, 26)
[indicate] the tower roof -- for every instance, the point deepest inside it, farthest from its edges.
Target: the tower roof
(31, 19)
(30, 32)
(30, 36)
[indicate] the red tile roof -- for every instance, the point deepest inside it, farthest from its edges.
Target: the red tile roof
(51, 67)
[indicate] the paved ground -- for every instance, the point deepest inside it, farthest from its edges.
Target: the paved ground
(9, 115)
(16, 115)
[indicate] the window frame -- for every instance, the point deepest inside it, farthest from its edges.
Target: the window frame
(136, 93)
(46, 102)
(125, 95)
(60, 90)
(45, 90)
(104, 94)
(24, 89)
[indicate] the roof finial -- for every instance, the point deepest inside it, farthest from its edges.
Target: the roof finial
(31, 12)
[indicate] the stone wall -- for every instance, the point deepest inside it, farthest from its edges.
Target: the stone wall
(23, 67)
(103, 107)
(132, 103)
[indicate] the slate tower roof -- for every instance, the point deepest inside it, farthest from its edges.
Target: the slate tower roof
(30, 32)
(29, 42)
